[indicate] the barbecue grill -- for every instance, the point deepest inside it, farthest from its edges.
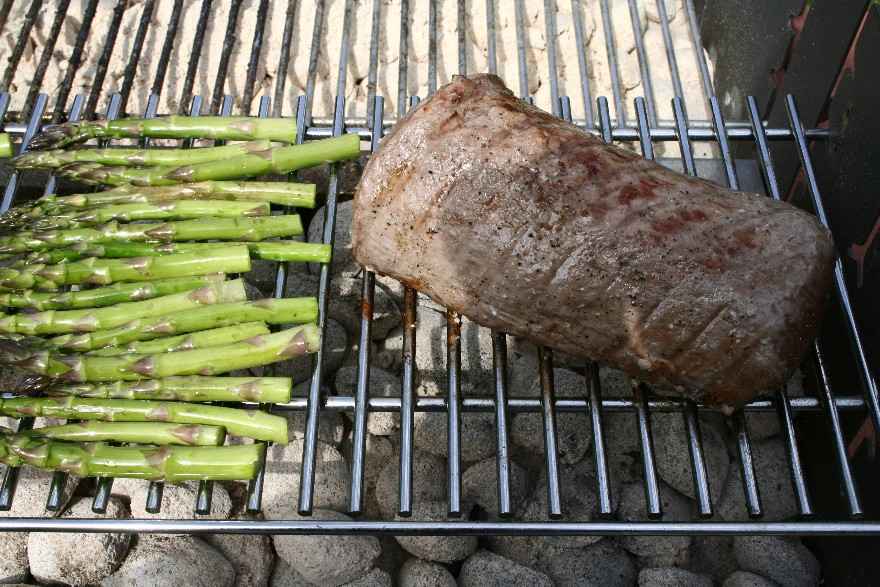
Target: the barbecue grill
(742, 152)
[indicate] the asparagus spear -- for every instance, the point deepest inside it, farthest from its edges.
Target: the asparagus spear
(106, 296)
(277, 160)
(135, 432)
(92, 319)
(105, 271)
(184, 342)
(146, 157)
(286, 194)
(272, 311)
(172, 464)
(267, 390)
(227, 128)
(248, 423)
(6, 149)
(245, 229)
(295, 251)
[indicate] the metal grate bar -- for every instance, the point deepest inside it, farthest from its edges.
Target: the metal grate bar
(136, 50)
(402, 60)
(4, 12)
(33, 126)
(583, 67)
(594, 407)
(646, 443)
(644, 66)
(229, 40)
(605, 130)
(75, 60)
(406, 401)
(871, 392)
(167, 47)
(687, 153)
(744, 450)
(432, 46)
(453, 407)
(362, 394)
(502, 437)
(550, 27)
(801, 490)
(104, 60)
(461, 23)
(46, 55)
(668, 44)
(284, 56)
(698, 462)
(307, 477)
(23, 36)
(314, 52)
(548, 413)
(491, 47)
(10, 475)
(644, 130)
(723, 144)
(613, 67)
(254, 60)
(697, 43)
(373, 73)
(195, 55)
(521, 49)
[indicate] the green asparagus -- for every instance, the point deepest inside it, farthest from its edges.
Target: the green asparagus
(105, 271)
(227, 128)
(145, 157)
(106, 296)
(172, 464)
(184, 342)
(267, 390)
(295, 251)
(244, 229)
(6, 149)
(92, 319)
(248, 423)
(278, 160)
(300, 195)
(272, 311)
(135, 432)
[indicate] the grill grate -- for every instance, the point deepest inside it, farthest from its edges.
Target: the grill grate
(646, 129)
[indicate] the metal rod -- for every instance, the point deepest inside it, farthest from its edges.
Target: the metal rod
(254, 60)
(491, 49)
(314, 54)
(670, 49)
(137, 48)
(24, 36)
(33, 126)
(548, 413)
(108, 45)
(605, 120)
(594, 407)
(368, 290)
(373, 72)
(644, 66)
(749, 479)
(406, 401)
(310, 440)
(799, 482)
(75, 60)
(10, 474)
(698, 462)
(229, 40)
(550, 28)
(687, 153)
(583, 65)
(461, 25)
(521, 49)
(697, 44)
(432, 46)
(402, 58)
(36, 81)
(167, 47)
(453, 428)
(614, 69)
(644, 130)
(723, 144)
(646, 442)
(284, 56)
(195, 54)
(871, 392)
(502, 437)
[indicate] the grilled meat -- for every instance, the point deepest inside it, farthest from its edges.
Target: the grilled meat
(524, 223)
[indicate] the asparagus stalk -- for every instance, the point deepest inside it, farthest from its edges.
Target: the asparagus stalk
(272, 311)
(6, 149)
(277, 160)
(185, 342)
(267, 390)
(300, 195)
(182, 210)
(172, 464)
(244, 229)
(97, 271)
(145, 157)
(248, 423)
(294, 251)
(227, 128)
(92, 319)
(106, 296)
(135, 432)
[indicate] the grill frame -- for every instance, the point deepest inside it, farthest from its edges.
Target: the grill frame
(646, 131)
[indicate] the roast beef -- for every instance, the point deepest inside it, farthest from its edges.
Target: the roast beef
(526, 224)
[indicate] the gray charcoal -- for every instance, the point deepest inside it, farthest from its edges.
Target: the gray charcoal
(251, 555)
(428, 481)
(444, 549)
(14, 566)
(382, 384)
(784, 560)
(375, 578)
(746, 579)
(774, 482)
(480, 485)
(661, 550)
(343, 261)
(281, 483)
(600, 565)
(178, 501)
(672, 577)
(171, 561)
(420, 573)
(712, 555)
(485, 569)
